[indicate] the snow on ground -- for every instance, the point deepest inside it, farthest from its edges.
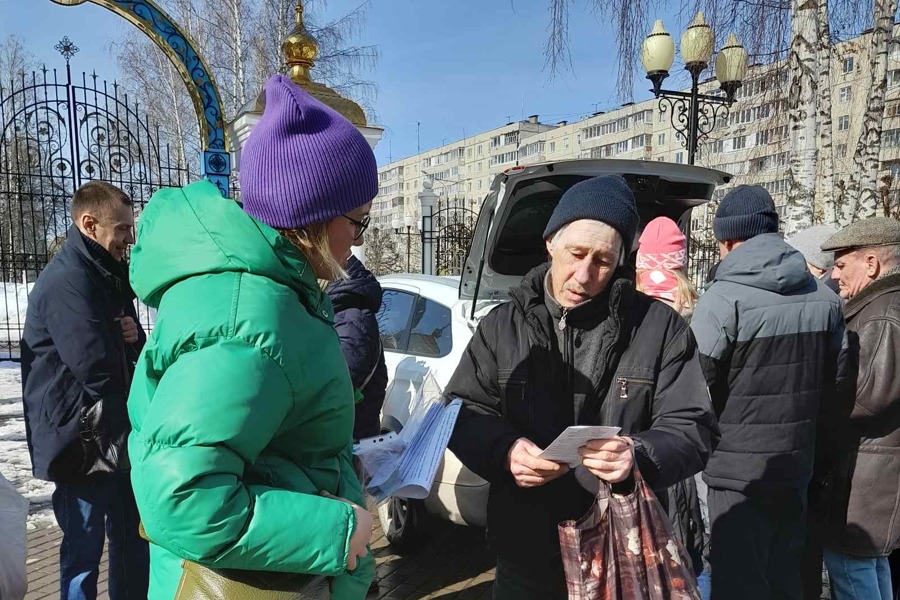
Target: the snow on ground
(15, 464)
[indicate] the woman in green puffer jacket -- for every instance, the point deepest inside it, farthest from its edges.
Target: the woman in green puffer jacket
(242, 405)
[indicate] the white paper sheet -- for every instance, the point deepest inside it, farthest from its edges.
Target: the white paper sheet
(564, 448)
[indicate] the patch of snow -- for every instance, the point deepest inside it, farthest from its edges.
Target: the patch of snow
(15, 462)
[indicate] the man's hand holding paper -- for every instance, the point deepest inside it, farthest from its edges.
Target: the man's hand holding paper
(528, 469)
(610, 459)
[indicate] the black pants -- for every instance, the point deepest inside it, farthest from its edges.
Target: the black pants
(757, 544)
(513, 581)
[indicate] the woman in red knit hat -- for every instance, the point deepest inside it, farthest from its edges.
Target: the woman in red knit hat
(661, 259)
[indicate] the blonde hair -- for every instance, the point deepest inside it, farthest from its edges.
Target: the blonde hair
(312, 240)
(686, 295)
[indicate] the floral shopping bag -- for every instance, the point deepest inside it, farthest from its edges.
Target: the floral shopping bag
(624, 548)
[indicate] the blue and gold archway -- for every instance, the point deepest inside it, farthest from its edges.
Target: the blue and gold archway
(159, 27)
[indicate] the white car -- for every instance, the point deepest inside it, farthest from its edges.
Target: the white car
(426, 322)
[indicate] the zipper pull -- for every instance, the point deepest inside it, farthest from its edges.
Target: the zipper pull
(562, 319)
(623, 387)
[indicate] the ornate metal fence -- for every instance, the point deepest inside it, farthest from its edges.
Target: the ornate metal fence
(454, 226)
(55, 134)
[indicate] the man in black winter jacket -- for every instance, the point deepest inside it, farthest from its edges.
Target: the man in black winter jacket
(576, 345)
(79, 345)
(770, 335)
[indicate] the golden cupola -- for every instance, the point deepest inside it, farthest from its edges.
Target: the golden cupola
(300, 51)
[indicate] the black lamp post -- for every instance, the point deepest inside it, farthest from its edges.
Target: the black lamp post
(693, 115)
(397, 224)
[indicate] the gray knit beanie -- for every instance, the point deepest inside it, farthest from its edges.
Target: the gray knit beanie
(809, 243)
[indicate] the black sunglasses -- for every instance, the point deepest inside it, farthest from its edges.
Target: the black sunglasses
(361, 226)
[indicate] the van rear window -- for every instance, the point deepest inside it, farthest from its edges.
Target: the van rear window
(520, 246)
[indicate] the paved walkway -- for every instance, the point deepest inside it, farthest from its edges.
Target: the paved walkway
(456, 564)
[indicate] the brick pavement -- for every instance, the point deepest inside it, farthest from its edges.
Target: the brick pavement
(455, 564)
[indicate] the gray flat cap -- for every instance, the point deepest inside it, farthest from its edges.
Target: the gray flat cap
(867, 233)
(809, 243)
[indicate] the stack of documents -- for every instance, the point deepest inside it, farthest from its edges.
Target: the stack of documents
(404, 465)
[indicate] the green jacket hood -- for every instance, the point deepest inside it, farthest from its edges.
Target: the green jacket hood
(189, 231)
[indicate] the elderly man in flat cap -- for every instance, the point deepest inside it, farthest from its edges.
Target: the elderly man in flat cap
(865, 519)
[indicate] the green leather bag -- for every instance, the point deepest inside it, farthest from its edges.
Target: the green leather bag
(202, 583)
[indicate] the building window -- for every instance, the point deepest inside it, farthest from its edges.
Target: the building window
(890, 138)
(845, 94)
(479, 150)
(893, 78)
(480, 165)
(565, 143)
(842, 150)
(469, 153)
(662, 139)
(844, 123)
(739, 143)
(679, 157)
(848, 64)
(479, 184)
(552, 146)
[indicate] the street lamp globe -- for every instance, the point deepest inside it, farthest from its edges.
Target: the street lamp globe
(731, 66)
(658, 50)
(409, 221)
(396, 223)
(697, 43)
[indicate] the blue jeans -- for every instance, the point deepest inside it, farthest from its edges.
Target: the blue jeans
(855, 578)
(84, 512)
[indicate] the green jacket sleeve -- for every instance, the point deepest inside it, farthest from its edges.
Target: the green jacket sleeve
(353, 585)
(213, 412)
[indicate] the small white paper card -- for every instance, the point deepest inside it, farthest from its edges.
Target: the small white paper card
(564, 448)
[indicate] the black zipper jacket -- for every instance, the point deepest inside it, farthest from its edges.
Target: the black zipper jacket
(518, 380)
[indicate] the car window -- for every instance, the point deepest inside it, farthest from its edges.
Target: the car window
(393, 319)
(431, 333)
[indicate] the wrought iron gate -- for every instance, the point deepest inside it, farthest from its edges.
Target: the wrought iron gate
(454, 226)
(55, 134)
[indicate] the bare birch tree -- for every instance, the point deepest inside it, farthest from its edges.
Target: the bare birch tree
(864, 196)
(802, 61)
(825, 205)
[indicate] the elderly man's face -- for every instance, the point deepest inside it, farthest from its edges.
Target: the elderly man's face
(583, 257)
(855, 269)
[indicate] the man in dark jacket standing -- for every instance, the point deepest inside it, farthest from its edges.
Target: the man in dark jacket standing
(79, 344)
(356, 301)
(769, 335)
(866, 477)
(576, 345)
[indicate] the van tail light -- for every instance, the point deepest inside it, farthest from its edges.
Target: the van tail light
(513, 170)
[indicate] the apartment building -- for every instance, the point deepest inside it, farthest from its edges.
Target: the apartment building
(751, 143)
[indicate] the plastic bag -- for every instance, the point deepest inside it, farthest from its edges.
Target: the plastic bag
(13, 549)
(625, 548)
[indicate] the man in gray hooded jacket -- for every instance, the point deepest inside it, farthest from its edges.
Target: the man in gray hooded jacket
(769, 336)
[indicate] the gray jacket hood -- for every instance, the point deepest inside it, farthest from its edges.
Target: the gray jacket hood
(766, 262)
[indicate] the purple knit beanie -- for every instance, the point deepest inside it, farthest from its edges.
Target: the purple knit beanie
(304, 163)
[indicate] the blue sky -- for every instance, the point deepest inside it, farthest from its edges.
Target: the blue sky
(457, 67)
